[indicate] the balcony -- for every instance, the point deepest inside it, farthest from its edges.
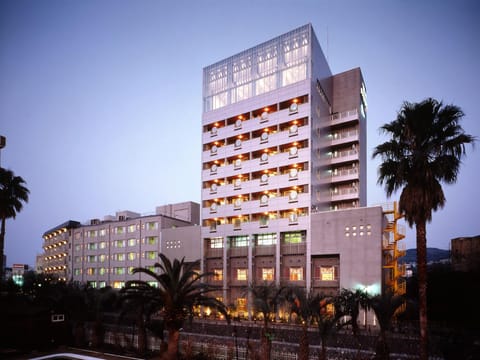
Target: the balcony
(214, 253)
(344, 117)
(237, 251)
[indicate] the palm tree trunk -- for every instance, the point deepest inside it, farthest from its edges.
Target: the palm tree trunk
(172, 349)
(2, 244)
(422, 287)
(303, 347)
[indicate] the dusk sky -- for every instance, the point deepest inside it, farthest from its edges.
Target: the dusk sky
(101, 101)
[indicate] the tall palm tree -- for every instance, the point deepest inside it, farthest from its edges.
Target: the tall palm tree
(266, 299)
(426, 147)
(325, 319)
(180, 290)
(13, 194)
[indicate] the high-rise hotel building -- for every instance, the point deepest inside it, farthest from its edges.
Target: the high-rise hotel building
(284, 146)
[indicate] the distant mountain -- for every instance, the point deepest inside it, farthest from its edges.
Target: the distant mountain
(433, 255)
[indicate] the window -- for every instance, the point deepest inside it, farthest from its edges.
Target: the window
(153, 284)
(327, 273)
(242, 274)
(151, 255)
(216, 243)
(151, 240)
(77, 271)
(102, 232)
(119, 257)
(102, 284)
(296, 274)
(78, 247)
(293, 237)
(266, 239)
(131, 256)
(92, 246)
(92, 284)
(152, 225)
(102, 244)
(217, 274)
(102, 271)
(119, 270)
(239, 241)
(91, 271)
(119, 243)
(77, 259)
(132, 242)
(92, 233)
(131, 228)
(92, 258)
(119, 230)
(118, 284)
(267, 274)
(102, 257)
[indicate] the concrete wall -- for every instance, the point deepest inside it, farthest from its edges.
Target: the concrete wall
(356, 236)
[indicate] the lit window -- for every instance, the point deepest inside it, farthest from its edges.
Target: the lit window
(103, 232)
(102, 244)
(238, 241)
(216, 243)
(102, 271)
(119, 243)
(91, 258)
(92, 233)
(132, 242)
(92, 246)
(296, 274)
(152, 255)
(118, 284)
(77, 272)
(119, 270)
(102, 257)
(91, 271)
(292, 237)
(131, 256)
(266, 239)
(131, 228)
(242, 274)
(267, 274)
(327, 273)
(119, 257)
(102, 284)
(153, 225)
(119, 230)
(217, 274)
(153, 284)
(151, 240)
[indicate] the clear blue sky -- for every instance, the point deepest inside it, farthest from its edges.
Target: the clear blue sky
(101, 101)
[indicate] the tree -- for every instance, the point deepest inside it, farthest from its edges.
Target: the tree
(303, 304)
(385, 306)
(426, 147)
(326, 317)
(349, 303)
(266, 301)
(180, 289)
(143, 300)
(13, 194)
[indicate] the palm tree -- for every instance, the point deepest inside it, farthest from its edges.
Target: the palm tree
(349, 303)
(385, 307)
(303, 304)
(13, 194)
(143, 300)
(180, 290)
(326, 320)
(426, 147)
(266, 300)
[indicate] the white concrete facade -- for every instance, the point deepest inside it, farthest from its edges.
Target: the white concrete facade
(282, 139)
